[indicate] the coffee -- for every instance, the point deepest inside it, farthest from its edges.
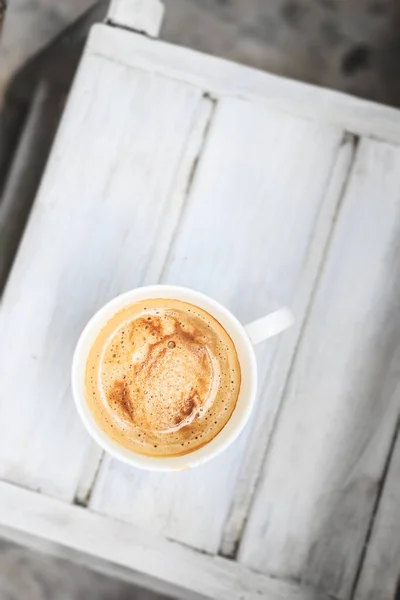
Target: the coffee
(162, 377)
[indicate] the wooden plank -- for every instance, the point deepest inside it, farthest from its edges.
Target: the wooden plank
(144, 557)
(194, 144)
(274, 388)
(380, 575)
(317, 493)
(244, 239)
(221, 77)
(91, 235)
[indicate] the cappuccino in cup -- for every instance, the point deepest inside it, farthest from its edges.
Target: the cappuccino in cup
(162, 377)
(165, 378)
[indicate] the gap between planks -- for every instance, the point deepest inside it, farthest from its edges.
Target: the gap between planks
(251, 467)
(169, 225)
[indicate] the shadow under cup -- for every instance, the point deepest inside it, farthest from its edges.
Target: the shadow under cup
(247, 392)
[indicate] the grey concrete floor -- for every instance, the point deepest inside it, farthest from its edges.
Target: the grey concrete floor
(351, 45)
(28, 575)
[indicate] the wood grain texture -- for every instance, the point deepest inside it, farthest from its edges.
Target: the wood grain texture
(202, 118)
(92, 233)
(127, 551)
(320, 481)
(221, 77)
(243, 239)
(272, 393)
(380, 575)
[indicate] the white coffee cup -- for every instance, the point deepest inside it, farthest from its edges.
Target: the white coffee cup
(243, 338)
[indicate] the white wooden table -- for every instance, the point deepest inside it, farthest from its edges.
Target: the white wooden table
(172, 166)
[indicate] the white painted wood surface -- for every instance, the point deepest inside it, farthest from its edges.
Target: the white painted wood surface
(313, 506)
(264, 422)
(244, 237)
(201, 120)
(92, 234)
(177, 167)
(142, 16)
(379, 578)
(125, 546)
(221, 77)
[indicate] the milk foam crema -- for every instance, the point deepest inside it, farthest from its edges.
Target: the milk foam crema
(162, 377)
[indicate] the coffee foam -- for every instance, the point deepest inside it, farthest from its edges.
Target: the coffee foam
(162, 377)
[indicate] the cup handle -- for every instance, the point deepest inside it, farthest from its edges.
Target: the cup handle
(270, 325)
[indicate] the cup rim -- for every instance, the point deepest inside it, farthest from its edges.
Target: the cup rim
(247, 392)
